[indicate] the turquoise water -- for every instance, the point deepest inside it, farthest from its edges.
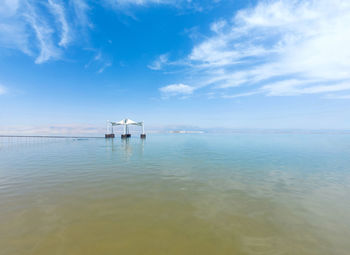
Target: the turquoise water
(176, 194)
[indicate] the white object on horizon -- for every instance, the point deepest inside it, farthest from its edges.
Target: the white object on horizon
(186, 131)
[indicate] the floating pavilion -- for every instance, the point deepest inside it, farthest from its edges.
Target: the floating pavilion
(125, 123)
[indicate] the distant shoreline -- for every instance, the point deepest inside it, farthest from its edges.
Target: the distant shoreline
(208, 132)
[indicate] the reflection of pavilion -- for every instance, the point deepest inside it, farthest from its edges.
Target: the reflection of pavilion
(125, 122)
(132, 147)
(125, 148)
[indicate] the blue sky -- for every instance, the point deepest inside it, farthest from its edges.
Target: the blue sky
(70, 65)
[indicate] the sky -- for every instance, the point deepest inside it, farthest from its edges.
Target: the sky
(67, 66)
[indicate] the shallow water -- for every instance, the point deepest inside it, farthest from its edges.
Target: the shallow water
(176, 194)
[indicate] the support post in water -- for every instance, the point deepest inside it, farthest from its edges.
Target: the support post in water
(143, 135)
(109, 130)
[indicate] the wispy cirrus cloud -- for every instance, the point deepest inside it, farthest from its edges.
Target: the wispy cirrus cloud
(12, 28)
(60, 15)
(193, 4)
(41, 29)
(159, 62)
(43, 34)
(99, 61)
(81, 13)
(104, 66)
(44, 29)
(276, 48)
(139, 2)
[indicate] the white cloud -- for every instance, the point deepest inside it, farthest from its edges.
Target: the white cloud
(218, 26)
(278, 47)
(299, 87)
(241, 94)
(159, 63)
(176, 89)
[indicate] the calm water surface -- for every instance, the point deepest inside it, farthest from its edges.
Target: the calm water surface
(176, 194)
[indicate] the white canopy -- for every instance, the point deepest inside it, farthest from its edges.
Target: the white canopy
(126, 122)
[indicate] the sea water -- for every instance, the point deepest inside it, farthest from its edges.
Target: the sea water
(176, 194)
